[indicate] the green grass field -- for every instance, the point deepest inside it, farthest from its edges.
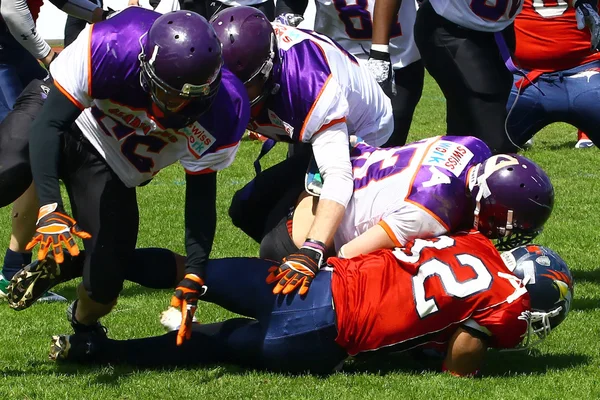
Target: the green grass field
(565, 366)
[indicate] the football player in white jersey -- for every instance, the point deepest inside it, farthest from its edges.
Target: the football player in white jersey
(303, 88)
(380, 33)
(131, 96)
(424, 189)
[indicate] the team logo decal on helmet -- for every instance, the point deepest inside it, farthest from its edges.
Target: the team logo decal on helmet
(549, 283)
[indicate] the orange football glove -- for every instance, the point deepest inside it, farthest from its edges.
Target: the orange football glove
(186, 298)
(298, 270)
(54, 229)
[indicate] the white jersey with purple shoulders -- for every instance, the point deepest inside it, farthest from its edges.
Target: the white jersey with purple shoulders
(350, 23)
(418, 190)
(479, 15)
(321, 85)
(100, 73)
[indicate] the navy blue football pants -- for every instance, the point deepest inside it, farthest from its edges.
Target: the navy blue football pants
(17, 68)
(571, 96)
(283, 333)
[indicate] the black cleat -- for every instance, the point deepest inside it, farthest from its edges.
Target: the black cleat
(80, 347)
(32, 282)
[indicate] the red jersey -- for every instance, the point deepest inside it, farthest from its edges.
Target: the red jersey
(548, 39)
(34, 8)
(420, 295)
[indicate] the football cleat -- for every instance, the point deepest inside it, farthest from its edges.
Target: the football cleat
(96, 329)
(32, 283)
(583, 141)
(81, 347)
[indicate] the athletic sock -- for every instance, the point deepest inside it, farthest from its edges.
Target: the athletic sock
(13, 262)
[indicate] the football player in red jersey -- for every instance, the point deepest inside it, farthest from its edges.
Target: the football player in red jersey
(454, 291)
(557, 74)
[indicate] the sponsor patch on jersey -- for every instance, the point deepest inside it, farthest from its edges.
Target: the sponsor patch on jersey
(199, 139)
(288, 36)
(275, 120)
(449, 155)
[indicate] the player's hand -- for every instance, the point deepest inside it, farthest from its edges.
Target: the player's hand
(186, 299)
(380, 66)
(289, 19)
(56, 229)
(586, 14)
(298, 270)
(106, 14)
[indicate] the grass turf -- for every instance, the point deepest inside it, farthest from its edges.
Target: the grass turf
(566, 365)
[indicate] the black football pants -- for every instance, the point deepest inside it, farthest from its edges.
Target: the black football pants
(469, 69)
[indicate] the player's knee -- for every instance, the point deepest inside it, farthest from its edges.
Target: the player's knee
(105, 292)
(15, 178)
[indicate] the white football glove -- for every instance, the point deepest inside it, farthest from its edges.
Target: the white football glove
(587, 15)
(380, 69)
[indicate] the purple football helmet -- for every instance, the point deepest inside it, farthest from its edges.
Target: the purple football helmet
(181, 64)
(549, 283)
(249, 46)
(513, 199)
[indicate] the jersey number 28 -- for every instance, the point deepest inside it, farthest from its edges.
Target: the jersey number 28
(357, 11)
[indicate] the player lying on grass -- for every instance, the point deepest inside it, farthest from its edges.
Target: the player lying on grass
(453, 293)
(428, 188)
(422, 190)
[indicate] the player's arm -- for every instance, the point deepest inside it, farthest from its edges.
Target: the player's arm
(21, 25)
(200, 220)
(586, 14)
(384, 13)
(332, 155)
(290, 12)
(374, 238)
(379, 62)
(82, 9)
(200, 226)
(466, 352)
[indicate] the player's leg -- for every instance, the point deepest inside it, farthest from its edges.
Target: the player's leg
(298, 334)
(431, 37)
(107, 209)
(235, 341)
(470, 72)
(251, 205)
(409, 87)
(150, 267)
(530, 108)
(278, 241)
(267, 8)
(15, 179)
(583, 86)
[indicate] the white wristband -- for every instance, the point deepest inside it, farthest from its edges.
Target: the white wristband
(384, 48)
